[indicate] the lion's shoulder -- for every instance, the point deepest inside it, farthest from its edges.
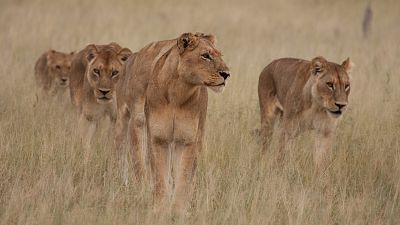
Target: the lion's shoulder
(41, 63)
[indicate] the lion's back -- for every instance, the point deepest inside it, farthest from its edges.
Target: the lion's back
(282, 76)
(148, 56)
(139, 69)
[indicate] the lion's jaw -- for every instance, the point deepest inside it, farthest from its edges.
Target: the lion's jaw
(335, 113)
(217, 88)
(104, 100)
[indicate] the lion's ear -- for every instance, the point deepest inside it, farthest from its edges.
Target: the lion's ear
(72, 53)
(347, 65)
(124, 54)
(91, 52)
(116, 46)
(187, 41)
(210, 37)
(318, 65)
(49, 56)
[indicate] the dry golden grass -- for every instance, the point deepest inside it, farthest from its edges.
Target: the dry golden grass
(43, 176)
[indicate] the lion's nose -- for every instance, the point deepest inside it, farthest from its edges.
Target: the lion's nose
(341, 105)
(64, 80)
(104, 91)
(224, 74)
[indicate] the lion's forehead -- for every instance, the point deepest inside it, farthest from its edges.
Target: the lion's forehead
(337, 74)
(216, 52)
(106, 66)
(61, 62)
(107, 62)
(206, 45)
(61, 59)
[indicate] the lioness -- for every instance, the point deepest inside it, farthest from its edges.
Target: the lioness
(165, 93)
(94, 72)
(307, 95)
(52, 72)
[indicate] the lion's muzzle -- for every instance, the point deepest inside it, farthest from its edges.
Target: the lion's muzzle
(63, 82)
(338, 110)
(103, 95)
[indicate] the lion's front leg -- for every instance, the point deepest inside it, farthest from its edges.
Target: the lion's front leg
(137, 132)
(87, 128)
(159, 162)
(120, 131)
(288, 131)
(53, 90)
(323, 150)
(188, 138)
(184, 160)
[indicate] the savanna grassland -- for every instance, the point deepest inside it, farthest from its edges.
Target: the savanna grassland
(45, 179)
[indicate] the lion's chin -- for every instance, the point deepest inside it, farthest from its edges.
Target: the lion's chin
(218, 88)
(63, 85)
(334, 114)
(104, 100)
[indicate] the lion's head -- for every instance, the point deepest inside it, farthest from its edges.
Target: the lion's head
(200, 63)
(104, 67)
(59, 65)
(332, 85)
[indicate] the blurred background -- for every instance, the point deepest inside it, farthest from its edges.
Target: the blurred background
(43, 179)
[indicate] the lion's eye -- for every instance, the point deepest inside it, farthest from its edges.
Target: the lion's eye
(330, 85)
(114, 73)
(347, 87)
(96, 71)
(206, 56)
(58, 67)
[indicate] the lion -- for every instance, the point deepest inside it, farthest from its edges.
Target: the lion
(52, 72)
(306, 96)
(95, 71)
(164, 92)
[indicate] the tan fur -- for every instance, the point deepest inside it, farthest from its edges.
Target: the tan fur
(52, 72)
(165, 93)
(307, 96)
(94, 93)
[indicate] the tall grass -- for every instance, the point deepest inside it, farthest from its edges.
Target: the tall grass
(45, 180)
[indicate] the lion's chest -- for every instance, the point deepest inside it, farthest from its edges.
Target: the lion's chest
(171, 124)
(97, 111)
(317, 120)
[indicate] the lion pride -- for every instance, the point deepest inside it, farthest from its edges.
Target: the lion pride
(309, 95)
(165, 94)
(52, 72)
(94, 73)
